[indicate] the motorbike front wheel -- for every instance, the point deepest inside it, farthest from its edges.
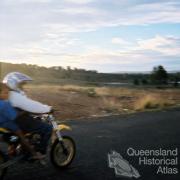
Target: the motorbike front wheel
(62, 155)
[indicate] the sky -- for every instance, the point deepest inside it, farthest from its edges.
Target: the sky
(103, 35)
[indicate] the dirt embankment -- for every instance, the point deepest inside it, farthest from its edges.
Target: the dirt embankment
(73, 102)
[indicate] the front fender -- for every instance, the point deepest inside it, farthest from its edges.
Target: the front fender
(64, 127)
(59, 128)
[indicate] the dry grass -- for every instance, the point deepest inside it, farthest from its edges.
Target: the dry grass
(111, 104)
(152, 101)
(115, 92)
(73, 88)
(77, 101)
(67, 88)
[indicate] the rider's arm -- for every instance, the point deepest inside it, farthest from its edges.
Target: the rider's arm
(23, 102)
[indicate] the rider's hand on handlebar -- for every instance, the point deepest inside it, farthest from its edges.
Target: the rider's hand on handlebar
(52, 110)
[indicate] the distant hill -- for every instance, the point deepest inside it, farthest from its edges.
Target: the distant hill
(43, 74)
(60, 75)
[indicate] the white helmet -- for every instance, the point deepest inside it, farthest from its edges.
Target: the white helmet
(14, 79)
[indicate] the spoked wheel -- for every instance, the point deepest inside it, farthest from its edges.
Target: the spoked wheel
(2, 170)
(63, 155)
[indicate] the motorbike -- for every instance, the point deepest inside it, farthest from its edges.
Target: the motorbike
(61, 148)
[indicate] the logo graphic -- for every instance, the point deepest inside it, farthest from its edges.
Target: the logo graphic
(121, 166)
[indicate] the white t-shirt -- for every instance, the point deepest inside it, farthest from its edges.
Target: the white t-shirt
(21, 101)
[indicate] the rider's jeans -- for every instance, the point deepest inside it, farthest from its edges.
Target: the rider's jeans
(28, 124)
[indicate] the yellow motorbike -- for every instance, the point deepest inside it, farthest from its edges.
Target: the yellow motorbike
(62, 149)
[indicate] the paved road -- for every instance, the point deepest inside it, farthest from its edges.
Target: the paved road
(95, 138)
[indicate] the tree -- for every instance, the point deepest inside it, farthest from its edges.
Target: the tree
(159, 75)
(136, 82)
(144, 81)
(176, 82)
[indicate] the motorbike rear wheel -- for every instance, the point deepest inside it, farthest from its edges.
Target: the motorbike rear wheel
(2, 170)
(62, 157)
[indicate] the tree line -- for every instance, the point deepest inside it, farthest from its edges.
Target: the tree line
(58, 74)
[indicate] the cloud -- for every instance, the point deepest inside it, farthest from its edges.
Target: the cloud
(33, 19)
(152, 13)
(27, 1)
(102, 61)
(120, 41)
(78, 11)
(92, 17)
(79, 1)
(49, 31)
(164, 45)
(143, 55)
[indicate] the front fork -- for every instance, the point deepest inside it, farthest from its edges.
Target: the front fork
(59, 136)
(57, 131)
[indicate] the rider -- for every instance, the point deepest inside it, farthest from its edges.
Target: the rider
(26, 106)
(8, 116)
